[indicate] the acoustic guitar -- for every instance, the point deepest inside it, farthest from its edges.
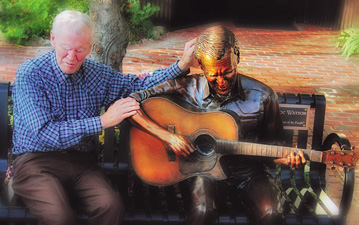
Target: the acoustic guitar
(213, 134)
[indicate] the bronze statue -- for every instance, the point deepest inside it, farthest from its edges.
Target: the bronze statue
(255, 108)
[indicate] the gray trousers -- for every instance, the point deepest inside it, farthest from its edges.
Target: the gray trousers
(52, 183)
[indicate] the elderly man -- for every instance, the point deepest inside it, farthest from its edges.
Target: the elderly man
(221, 87)
(58, 97)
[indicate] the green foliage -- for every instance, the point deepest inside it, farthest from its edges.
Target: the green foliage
(10, 111)
(138, 18)
(22, 19)
(348, 40)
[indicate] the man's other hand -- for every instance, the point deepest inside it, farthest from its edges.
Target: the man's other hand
(188, 58)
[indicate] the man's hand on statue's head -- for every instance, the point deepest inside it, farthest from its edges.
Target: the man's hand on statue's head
(187, 60)
(293, 159)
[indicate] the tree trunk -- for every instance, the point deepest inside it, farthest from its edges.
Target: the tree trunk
(112, 35)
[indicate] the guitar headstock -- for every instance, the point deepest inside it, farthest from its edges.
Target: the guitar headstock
(340, 158)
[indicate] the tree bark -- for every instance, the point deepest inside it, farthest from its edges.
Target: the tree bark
(112, 35)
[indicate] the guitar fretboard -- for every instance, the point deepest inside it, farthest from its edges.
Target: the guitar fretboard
(251, 149)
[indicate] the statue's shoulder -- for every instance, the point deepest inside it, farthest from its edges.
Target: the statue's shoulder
(250, 83)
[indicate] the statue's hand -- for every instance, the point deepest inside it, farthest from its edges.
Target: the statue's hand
(293, 159)
(180, 145)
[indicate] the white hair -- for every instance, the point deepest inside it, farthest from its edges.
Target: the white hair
(77, 21)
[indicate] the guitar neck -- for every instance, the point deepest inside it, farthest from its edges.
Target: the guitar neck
(226, 147)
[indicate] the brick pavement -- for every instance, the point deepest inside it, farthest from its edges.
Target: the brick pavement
(303, 61)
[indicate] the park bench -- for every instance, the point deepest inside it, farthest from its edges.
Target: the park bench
(304, 198)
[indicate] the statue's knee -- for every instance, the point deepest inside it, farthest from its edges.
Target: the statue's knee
(267, 215)
(202, 209)
(266, 210)
(202, 198)
(201, 213)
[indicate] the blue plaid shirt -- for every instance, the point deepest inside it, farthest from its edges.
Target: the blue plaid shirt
(54, 111)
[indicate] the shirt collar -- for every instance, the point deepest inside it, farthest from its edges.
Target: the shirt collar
(61, 76)
(237, 90)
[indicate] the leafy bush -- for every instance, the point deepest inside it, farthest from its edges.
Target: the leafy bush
(349, 42)
(22, 19)
(138, 18)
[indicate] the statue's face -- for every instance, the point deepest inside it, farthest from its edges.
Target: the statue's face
(221, 74)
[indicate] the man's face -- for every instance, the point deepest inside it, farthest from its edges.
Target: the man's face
(71, 48)
(221, 74)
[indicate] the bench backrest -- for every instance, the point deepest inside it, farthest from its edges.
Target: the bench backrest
(5, 127)
(316, 121)
(293, 136)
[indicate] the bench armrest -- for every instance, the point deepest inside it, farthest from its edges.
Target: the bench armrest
(349, 176)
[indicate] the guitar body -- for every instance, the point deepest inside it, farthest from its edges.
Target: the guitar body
(157, 165)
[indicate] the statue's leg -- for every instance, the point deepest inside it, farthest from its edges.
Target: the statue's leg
(262, 195)
(199, 194)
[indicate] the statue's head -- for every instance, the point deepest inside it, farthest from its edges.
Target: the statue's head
(217, 51)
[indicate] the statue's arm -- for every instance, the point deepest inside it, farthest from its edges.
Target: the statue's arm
(178, 143)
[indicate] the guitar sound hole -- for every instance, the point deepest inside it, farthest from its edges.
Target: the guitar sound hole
(205, 144)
